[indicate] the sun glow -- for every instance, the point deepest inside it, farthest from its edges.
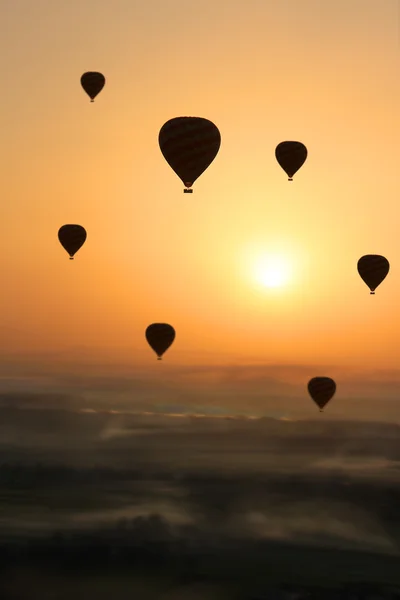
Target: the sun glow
(272, 271)
(278, 268)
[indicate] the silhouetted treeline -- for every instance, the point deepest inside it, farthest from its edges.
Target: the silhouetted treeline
(19, 475)
(142, 542)
(211, 498)
(151, 545)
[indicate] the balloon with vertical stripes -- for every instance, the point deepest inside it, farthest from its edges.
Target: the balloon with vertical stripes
(92, 82)
(291, 156)
(373, 269)
(71, 238)
(160, 337)
(321, 390)
(189, 145)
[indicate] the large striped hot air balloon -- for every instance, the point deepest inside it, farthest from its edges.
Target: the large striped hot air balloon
(92, 82)
(373, 269)
(321, 390)
(72, 237)
(159, 337)
(291, 156)
(189, 145)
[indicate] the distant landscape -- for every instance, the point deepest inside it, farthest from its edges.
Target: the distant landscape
(178, 503)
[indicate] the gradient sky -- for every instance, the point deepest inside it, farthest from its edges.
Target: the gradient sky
(325, 73)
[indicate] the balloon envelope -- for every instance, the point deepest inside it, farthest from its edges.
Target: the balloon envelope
(291, 156)
(92, 82)
(159, 337)
(373, 269)
(321, 390)
(71, 238)
(189, 145)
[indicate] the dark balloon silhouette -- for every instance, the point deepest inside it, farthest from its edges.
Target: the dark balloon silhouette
(72, 237)
(92, 82)
(159, 337)
(373, 269)
(291, 156)
(189, 145)
(321, 390)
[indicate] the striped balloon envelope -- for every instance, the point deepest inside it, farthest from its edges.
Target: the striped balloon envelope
(291, 156)
(321, 390)
(160, 336)
(373, 269)
(93, 82)
(71, 238)
(189, 145)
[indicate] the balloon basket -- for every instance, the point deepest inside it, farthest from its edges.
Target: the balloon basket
(188, 191)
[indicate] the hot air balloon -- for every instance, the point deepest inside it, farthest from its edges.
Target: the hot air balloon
(72, 237)
(92, 82)
(189, 145)
(291, 156)
(373, 269)
(160, 336)
(321, 390)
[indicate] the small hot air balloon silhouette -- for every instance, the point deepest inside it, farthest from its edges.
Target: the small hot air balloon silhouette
(72, 237)
(321, 390)
(159, 337)
(373, 269)
(291, 156)
(92, 82)
(189, 145)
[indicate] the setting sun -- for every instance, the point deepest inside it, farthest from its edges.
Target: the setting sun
(272, 271)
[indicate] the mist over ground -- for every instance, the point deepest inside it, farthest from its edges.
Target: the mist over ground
(236, 503)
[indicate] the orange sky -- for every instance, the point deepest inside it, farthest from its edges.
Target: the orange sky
(324, 73)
